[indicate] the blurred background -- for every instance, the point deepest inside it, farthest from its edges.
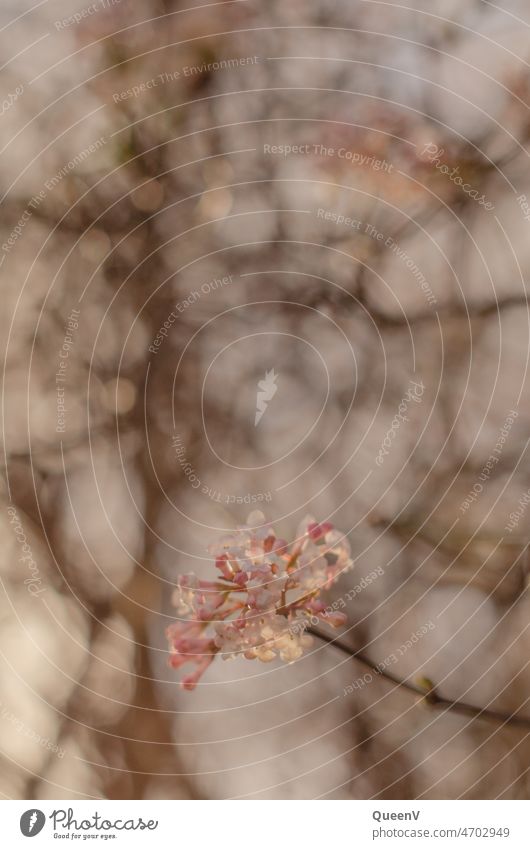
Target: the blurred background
(194, 195)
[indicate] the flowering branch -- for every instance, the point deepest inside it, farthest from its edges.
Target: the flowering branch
(424, 688)
(266, 603)
(267, 594)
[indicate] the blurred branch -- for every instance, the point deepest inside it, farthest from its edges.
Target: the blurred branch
(427, 692)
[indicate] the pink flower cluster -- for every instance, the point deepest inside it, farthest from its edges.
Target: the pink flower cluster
(266, 594)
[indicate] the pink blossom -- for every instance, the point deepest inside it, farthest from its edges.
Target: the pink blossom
(266, 595)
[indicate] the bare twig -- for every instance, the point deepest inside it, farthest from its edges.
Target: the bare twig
(429, 694)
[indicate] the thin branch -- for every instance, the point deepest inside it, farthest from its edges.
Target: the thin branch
(429, 695)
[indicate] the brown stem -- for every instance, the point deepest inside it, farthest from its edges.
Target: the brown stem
(430, 696)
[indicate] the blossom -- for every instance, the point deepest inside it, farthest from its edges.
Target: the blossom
(266, 594)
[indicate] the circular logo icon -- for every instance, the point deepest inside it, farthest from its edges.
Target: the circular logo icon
(31, 822)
